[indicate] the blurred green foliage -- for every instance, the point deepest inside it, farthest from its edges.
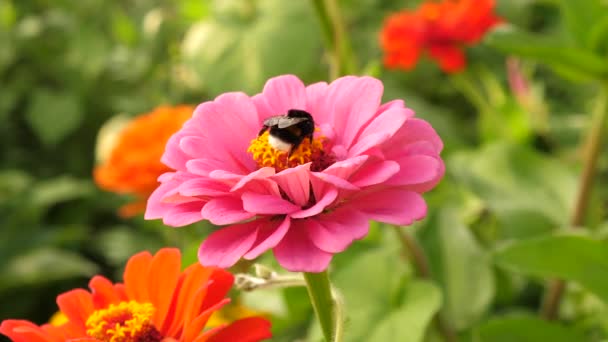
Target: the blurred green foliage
(496, 229)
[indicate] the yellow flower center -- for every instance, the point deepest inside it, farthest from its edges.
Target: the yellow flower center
(124, 322)
(308, 151)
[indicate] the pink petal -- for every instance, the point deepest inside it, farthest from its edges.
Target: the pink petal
(335, 181)
(225, 210)
(262, 173)
(269, 235)
(183, 214)
(202, 187)
(314, 97)
(295, 182)
(387, 123)
(353, 102)
(395, 206)
(224, 247)
(281, 94)
(413, 130)
(192, 145)
(230, 122)
(368, 142)
(393, 104)
(345, 168)
(417, 169)
(204, 166)
(375, 172)
(296, 253)
(323, 202)
(335, 231)
(267, 204)
(173, 156)
(156, 208)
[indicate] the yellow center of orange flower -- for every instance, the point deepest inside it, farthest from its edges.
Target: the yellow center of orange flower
(308, 151)
(124, 322)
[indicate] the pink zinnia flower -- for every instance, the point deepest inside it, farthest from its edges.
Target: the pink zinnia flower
(367, 161)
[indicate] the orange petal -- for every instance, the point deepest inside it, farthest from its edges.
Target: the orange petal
(104, 293)
(251, 329)
(121, 292)
(220, 283)
(195, 277)
(77, 304)
(204, 337)
(194, 328)
(136, 277)
(25, 331)
(162, 280)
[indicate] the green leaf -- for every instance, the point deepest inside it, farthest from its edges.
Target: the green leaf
(526, 329)
(460, 265)
(44, 265)
(60, 189)
(529, 193)
(574, 258)
(571, 62)
(118, 244)
(422, 300)
(241, 48)
(580, 16)
(53, 116)
(371, 287)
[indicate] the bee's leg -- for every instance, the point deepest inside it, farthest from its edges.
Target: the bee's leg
(293, 148)
(264, 129)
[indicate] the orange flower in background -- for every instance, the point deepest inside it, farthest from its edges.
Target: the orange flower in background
(441, 29)
(133, 164)
(156, 303)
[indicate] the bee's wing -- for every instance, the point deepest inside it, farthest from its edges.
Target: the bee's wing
(273, 120)
(285, 122)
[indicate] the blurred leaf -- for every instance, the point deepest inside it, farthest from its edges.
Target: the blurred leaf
(193, 10)
(88, 52)
(530, 193)
(580, 16)
(123, 28)
(598, 36)
(409, 322)
(49, 192)
(13, 182)
(575, 258)
(251, 42)
(8, 15)
(53, 116)
(44, 265)
(118, 244)
(526, 329)
(460, 265)
(372, 286)
(571, 62)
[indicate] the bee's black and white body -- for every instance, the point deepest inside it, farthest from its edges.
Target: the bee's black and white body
(288, 131)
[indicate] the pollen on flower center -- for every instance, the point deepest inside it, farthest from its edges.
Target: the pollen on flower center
(124, 322)
(308, 151)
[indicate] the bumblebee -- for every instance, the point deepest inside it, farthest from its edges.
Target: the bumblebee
(288, 131)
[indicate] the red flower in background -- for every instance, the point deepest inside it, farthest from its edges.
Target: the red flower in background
(441, 29)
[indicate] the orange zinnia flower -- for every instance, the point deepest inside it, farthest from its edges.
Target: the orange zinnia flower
(157, 302)
(439, 28)
(133, 164)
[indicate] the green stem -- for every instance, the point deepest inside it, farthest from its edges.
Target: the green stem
(320, 292)
(550, 305)
(462, 82)
(336, 39)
